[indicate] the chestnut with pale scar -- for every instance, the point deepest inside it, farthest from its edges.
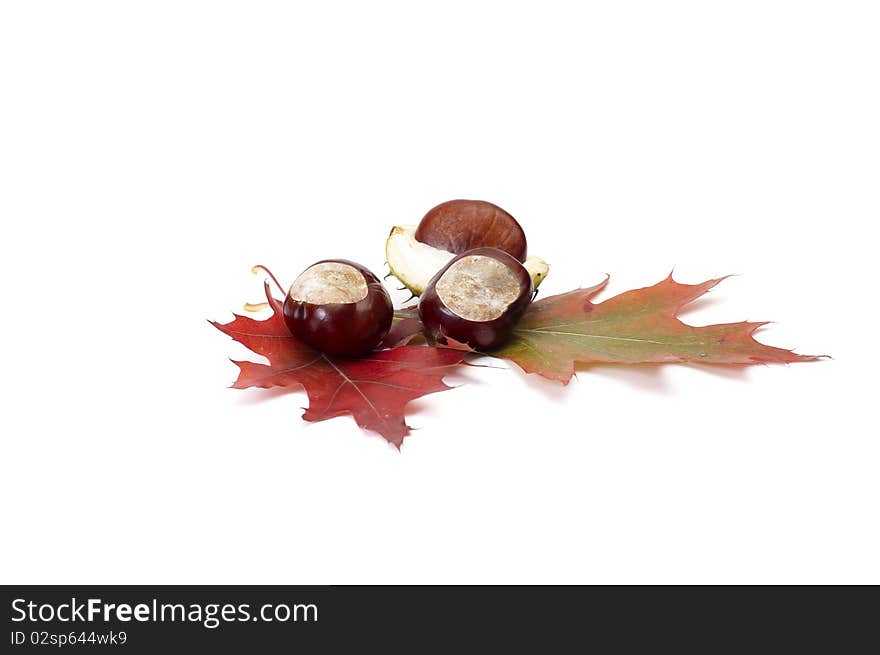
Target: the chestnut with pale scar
(477, 298)
(338, 307)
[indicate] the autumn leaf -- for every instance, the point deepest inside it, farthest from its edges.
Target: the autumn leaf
(638, 326)
(405, 325)
(373, 389)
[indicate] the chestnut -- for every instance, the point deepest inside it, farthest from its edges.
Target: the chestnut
(461, 225)
(477, 298)
(338, 307)
(416, 252)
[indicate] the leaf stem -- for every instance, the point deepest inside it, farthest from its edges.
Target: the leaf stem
(259, 267)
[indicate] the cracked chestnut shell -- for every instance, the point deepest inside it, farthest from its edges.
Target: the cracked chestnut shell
(338, 307)
(477, 298)
(461, 225)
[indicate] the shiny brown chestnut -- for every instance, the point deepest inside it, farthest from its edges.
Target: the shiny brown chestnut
(338, 307)
(477, 298)
(457, 226)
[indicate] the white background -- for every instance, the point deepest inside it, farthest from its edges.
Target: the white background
(150, 153)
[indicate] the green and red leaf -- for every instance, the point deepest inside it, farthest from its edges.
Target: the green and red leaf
(638, 326)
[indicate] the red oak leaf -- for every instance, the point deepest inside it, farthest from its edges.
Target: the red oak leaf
(404, 327)
(638, 326)
(374, 389)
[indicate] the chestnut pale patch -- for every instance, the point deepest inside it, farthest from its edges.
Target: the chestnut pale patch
(478, 288)
(329, 282)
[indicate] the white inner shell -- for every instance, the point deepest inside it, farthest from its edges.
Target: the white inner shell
(329, 282)
(478, 288)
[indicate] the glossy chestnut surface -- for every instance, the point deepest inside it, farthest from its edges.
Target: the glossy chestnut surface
(477, 298)
(338, 307)
(457, 226)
